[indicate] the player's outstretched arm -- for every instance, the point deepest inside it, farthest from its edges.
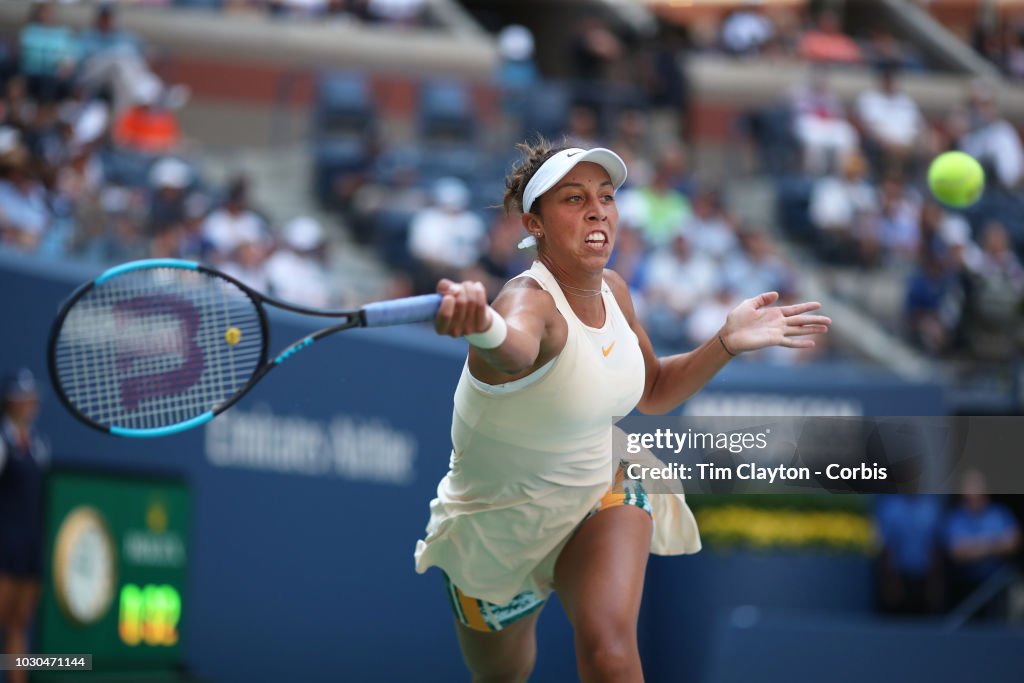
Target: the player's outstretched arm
(507, 337)
(752, 325)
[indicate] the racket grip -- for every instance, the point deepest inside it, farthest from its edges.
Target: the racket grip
(413, 309)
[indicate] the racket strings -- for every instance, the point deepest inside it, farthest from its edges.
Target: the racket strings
(157, 347)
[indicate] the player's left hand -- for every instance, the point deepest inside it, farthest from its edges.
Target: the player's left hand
(756, 324)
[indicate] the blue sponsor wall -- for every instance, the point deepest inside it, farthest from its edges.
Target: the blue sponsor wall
(310, 493)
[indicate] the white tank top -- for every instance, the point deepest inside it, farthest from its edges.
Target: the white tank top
(531, 458)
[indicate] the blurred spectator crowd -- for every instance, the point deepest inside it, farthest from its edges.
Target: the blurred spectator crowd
(940, 553)
(858, 194)
(408, 13)
(93, 165)
(777, 32)
(429, 207)
(850, 179)
(850, 174)
(396, 13)
(851, 183)
(1000, 39)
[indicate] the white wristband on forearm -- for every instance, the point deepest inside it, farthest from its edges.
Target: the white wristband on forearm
(493, 336)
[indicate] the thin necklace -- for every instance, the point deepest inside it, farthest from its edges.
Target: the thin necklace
(586, 292)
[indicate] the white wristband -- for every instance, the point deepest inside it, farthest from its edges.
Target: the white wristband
(493, 336)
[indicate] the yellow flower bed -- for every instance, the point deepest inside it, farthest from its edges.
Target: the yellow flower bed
(763, 529)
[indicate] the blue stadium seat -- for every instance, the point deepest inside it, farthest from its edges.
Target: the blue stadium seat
(126, 167)
(439, 160)
(344, 105)
(200, 4)
(549, 111)
(343, 131)
(391, 236)
(488, 189)
(430, 162)
(333, 160)
(446, 113)
(396, 165)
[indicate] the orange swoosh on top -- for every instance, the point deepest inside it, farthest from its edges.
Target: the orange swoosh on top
(608, 350)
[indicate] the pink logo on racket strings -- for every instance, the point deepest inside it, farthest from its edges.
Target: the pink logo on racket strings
(136, 389)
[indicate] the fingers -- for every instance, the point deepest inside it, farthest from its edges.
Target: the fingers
(805, 330)
(799, 320)
(463, 308)
(765, 299)
(442, 321)
(797, 309)
(802, 325)
(480, 315)
(797, 343)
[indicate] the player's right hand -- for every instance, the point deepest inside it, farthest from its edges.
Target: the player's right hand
(463, 308)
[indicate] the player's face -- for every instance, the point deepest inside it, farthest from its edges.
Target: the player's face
(579, 218)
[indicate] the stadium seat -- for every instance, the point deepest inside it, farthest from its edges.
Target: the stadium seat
(343, 131)
(344, 104)
(446, 113)
(200, 4)
(126, 167)
(430, 162)
(488, 190)
(390, 237)
(548, 112)
(439, 160)
(334, 159)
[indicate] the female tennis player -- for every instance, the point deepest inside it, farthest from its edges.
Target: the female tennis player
(530, 503)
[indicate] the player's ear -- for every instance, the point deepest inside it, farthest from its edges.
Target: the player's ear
(533, 224)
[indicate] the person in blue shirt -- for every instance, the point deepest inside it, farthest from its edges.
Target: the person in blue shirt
(911, 562)
(981, 536)
(48, 54)
(113, 60)
(933, 304)
(106, 37)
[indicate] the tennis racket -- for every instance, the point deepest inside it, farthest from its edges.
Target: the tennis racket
(155, 347)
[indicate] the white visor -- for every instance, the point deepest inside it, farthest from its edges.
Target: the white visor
(555, 168)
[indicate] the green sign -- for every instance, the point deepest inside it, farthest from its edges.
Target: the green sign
(117, 565)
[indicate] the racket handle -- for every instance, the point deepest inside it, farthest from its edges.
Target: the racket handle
(413, 309)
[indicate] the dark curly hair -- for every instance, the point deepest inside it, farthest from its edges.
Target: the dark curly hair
(534, 154)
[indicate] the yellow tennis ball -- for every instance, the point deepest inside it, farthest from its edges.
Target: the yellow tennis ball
(956, 179)
(233, 335)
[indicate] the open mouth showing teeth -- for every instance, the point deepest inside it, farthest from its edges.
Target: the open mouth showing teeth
(596, 238)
